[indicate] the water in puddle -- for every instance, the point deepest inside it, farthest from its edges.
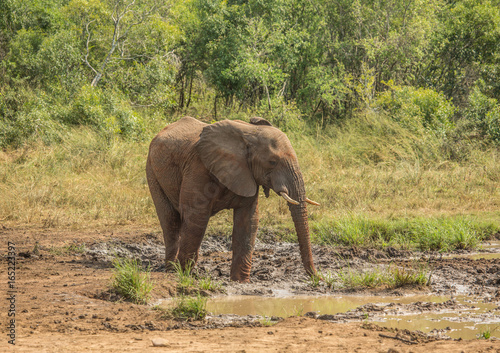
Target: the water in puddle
(493, 246)
(464, 323)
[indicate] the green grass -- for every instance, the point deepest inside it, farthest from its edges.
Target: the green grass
(368, 279)
(207, 283)
(315, 279)
(267, 322)
(390, 277)
(402, 277)
(434, 234)
(379, 185)
(130, 281)
(185, 280)
(189, 281)
(186, 308)
(486, 333)
(69, 249)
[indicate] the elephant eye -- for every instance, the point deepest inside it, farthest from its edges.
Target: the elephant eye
(273, 163)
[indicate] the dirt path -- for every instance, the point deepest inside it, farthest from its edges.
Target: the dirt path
(291, 335)
(62, 300)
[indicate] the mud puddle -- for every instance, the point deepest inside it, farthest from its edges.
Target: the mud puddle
(461, 301)
(488, 251)
(441, 316)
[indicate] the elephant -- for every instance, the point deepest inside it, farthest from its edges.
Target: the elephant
(195, 170)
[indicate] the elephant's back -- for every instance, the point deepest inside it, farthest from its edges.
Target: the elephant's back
(177, 137)
(185, 130)
(171, 150)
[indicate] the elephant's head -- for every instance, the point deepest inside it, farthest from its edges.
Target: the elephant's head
(243, 156)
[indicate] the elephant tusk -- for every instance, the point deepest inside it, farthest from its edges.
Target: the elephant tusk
(288, 198)
(312, 202)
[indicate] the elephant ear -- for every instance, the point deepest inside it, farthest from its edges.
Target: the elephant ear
(259, 121)
(223, 151)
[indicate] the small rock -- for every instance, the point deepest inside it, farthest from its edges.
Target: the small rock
(159, 342)
(270, 333)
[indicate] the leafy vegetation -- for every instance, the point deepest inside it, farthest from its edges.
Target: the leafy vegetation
(111, 64)
(130, 281)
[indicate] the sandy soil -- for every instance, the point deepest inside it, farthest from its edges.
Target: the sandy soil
(63, 303)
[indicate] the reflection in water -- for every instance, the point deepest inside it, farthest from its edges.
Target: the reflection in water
(293, 305)
(464, 323)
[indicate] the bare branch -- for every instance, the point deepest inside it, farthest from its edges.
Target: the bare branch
(120, 33)
(87, 47)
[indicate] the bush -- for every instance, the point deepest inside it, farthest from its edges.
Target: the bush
(417, 108)
(104, 110)
(26, 116)
(483, 115)
(284, 115)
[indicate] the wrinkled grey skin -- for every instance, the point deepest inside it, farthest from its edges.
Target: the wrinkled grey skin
(195, 170)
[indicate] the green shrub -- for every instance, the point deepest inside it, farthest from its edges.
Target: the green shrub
(483, 114)
(493, 124)
(104, 110)
(284, 115)
(417, 108)
(25, 116)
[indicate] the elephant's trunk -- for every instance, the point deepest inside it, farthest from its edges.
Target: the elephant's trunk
(299, 216)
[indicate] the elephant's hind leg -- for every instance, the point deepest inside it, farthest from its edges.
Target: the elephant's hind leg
(192, 232)
(170, 219)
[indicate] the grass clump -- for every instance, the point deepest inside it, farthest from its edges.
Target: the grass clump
(315, 279)
(368, 279)
(69, 249)
(207, 283)
(392, 277)
(425, 234)
(185, 280)
(402, 277)
(188, 281)
(130, 281)
(486, 333)
(189, 308)
(267, 322)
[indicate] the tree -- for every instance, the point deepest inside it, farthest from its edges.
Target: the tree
(125, 15)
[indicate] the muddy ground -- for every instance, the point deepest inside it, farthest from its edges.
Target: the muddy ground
(63, 302)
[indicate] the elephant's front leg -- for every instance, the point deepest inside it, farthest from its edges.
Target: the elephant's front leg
(246, 223)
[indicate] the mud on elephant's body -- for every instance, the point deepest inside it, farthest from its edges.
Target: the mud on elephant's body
(195, 170)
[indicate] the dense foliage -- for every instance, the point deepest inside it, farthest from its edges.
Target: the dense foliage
(430, 66)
